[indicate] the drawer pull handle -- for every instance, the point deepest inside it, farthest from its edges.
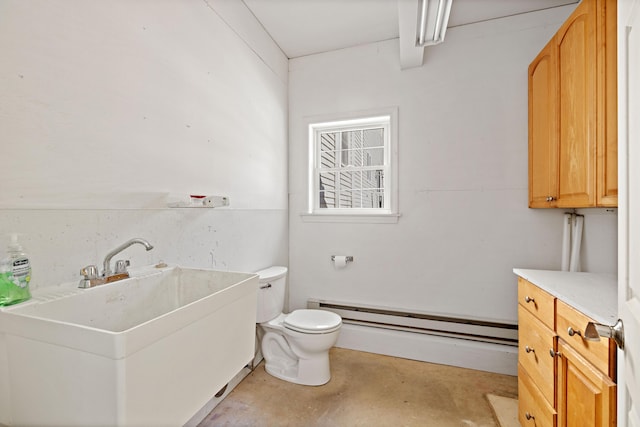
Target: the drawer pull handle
(528, 299)
(573, 332)
(554, 353)
(529, 349)
(528, 416)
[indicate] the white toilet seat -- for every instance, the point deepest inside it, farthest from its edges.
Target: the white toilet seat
(307, 321)
(310, 321)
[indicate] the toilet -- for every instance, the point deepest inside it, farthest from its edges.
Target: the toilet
(295, 346)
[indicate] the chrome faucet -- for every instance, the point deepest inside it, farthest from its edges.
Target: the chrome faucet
(90, 272)
(106, 265)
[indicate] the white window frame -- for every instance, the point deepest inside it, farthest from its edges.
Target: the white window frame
(386, 118)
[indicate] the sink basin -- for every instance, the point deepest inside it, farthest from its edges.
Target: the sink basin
(149, 350)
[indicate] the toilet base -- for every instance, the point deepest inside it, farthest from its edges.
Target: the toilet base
(313, 372)
(297, 357)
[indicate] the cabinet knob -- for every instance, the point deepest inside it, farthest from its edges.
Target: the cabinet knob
(528, 299)
(528, 416)
(550, 198)
(529, 349)
(573, 332)
(554, 353)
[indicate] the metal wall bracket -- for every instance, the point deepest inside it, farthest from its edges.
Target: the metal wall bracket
(348, 258)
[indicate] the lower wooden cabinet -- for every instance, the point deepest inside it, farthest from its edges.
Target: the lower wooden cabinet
(563, 379)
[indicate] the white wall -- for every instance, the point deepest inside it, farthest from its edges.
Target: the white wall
(114, 104)
(462, 176)
(109, 107)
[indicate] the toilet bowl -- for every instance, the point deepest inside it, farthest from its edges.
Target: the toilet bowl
(295, 346)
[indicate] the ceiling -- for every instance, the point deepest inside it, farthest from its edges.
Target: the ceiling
(306, 27)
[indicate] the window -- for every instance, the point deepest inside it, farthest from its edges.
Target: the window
(351, 167)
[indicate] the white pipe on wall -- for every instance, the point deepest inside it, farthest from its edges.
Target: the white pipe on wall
(566, 242)
(576, 242)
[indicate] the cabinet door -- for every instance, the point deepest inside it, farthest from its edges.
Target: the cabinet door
(543, 149)
(607, 184)
(576, 53)
(586, 397)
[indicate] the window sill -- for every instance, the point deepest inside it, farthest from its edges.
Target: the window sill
(376, 218)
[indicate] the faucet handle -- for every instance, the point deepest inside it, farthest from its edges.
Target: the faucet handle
(121, 266)
(89, 276)
(89, 272)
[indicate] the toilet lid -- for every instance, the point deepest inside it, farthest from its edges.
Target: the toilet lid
(313, 321)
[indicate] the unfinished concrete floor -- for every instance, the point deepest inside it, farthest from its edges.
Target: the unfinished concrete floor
(367, 390)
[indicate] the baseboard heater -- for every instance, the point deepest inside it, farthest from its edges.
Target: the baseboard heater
(455, 327)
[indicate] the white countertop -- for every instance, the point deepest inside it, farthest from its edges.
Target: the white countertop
(595, 295)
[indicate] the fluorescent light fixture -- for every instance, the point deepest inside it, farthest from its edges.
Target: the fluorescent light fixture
(434, 17)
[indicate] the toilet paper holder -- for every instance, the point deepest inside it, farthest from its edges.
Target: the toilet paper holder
(348, 258)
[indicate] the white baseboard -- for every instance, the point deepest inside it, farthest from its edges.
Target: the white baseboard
(490, 357)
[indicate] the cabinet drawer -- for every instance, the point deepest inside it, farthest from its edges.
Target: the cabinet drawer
(537, 302)
(534, 342)
(570, 325)
(531, 403)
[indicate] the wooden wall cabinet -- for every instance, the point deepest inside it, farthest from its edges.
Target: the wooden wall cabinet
(573, 113)
(563, 379)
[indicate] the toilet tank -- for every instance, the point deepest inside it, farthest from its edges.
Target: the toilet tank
(271, 293)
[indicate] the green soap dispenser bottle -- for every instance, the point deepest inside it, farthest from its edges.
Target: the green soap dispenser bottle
(15, 274)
